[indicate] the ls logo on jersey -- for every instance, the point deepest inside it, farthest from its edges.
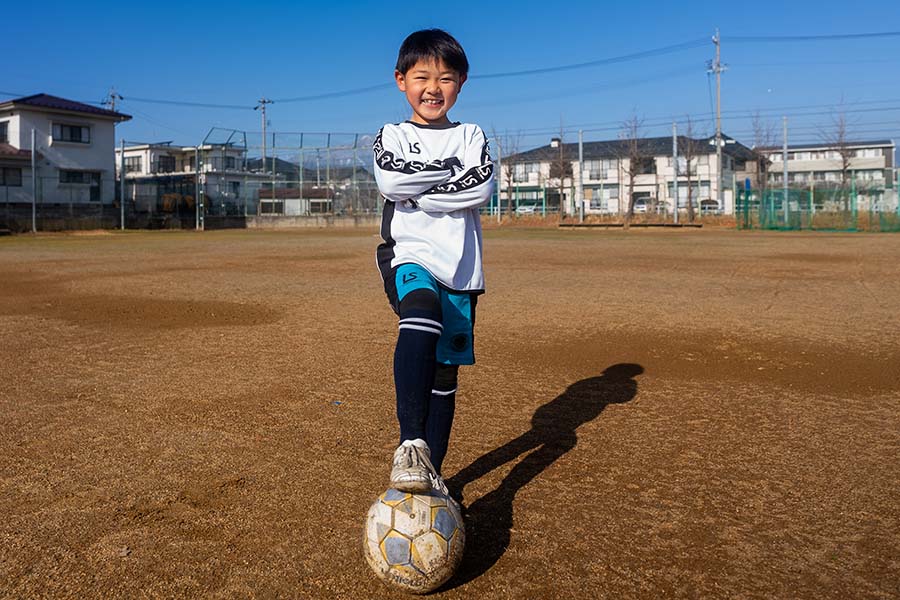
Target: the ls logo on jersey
(414, 148)
(408, 277)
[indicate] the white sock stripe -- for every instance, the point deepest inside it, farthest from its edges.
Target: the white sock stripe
(420, 328)
(423, 321)
(441, 393)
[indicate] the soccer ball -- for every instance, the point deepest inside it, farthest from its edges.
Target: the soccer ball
(414, 541)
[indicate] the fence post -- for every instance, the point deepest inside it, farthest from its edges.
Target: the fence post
(33, 182)
(122, 188)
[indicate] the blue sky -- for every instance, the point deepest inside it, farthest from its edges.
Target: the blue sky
(233, 53)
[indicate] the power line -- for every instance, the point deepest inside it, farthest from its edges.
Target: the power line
(188, 103)
(554, 69)
(353, 92)
(603, 61)
(810, 38)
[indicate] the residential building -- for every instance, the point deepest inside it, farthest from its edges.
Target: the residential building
(532, 179)
(74, 143)
(865, 166)
(163, 178)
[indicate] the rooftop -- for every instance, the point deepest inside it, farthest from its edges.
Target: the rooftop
(827, 145)
(7, 151)
(47, 101)
(654, 146)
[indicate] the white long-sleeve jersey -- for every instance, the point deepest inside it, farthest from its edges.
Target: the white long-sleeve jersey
(433, 179)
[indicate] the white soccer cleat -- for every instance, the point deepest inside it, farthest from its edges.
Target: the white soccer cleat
(412, 471)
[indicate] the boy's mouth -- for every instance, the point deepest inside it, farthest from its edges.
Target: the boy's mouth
(432, 102)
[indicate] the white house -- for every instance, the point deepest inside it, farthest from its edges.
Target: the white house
(531, 178)
(74, 144)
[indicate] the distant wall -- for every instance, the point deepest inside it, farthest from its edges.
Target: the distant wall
(16, 216)
(288, 222)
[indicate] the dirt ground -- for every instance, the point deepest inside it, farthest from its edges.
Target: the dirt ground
(653, 414)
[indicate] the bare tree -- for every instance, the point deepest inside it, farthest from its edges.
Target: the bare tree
(763, 142)
(560, 169)
(634, 156)
(690, 149)
(837, 138)
(508, 146)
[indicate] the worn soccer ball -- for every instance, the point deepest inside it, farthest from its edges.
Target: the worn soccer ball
(414, 541)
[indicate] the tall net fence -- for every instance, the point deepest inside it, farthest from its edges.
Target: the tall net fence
(855, 207)
(301, 174)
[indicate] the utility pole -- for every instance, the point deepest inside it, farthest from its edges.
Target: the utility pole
(111, 98)
(675, 171)
(261, 106)
(717, 67)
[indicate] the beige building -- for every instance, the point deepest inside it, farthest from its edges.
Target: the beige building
(867, 162)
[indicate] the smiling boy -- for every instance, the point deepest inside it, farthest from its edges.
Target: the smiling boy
(434, 174)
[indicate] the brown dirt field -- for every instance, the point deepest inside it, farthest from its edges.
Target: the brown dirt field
(653, 414)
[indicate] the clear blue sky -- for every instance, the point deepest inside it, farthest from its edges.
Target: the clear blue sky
(233, 53)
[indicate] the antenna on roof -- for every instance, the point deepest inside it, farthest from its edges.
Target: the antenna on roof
(110, 100)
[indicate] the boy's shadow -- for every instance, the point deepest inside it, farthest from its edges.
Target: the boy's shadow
(490, 518)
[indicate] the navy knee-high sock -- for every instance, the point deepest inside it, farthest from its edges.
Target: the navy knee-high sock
(414, 360)
(440, 413)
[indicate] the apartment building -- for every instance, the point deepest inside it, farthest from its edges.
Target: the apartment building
(867, 163)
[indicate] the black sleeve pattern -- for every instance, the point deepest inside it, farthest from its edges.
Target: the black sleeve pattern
(386, 161)
(471, 178)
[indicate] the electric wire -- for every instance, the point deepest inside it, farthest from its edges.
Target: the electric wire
(809, 38)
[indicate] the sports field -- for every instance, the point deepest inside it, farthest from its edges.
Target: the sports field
(653, 414)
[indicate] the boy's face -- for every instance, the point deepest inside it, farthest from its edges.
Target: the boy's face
(431, 88)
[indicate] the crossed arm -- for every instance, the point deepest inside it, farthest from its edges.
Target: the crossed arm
(437, 186)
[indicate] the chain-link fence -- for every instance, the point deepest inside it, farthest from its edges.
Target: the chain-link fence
(856, 206)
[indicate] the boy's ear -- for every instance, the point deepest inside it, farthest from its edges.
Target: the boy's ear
(401, 80)
(462, 80)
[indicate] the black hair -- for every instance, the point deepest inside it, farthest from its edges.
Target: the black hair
(434, 44)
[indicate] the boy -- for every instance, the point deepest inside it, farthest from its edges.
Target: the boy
(433, 175)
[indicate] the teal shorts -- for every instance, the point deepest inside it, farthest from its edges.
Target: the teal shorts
(456, 344)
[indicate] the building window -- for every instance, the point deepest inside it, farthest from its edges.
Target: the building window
(870, 175)
(71, 133)
(4, 132)
(85, 177)
(604, 197)
(236, 188)
(133, 164)
(229, 162)
(645, 166)
(522, 171)
(11, 177)
(165, 164)
(868, 153)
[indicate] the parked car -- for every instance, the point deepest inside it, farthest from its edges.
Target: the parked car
(709, 207)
